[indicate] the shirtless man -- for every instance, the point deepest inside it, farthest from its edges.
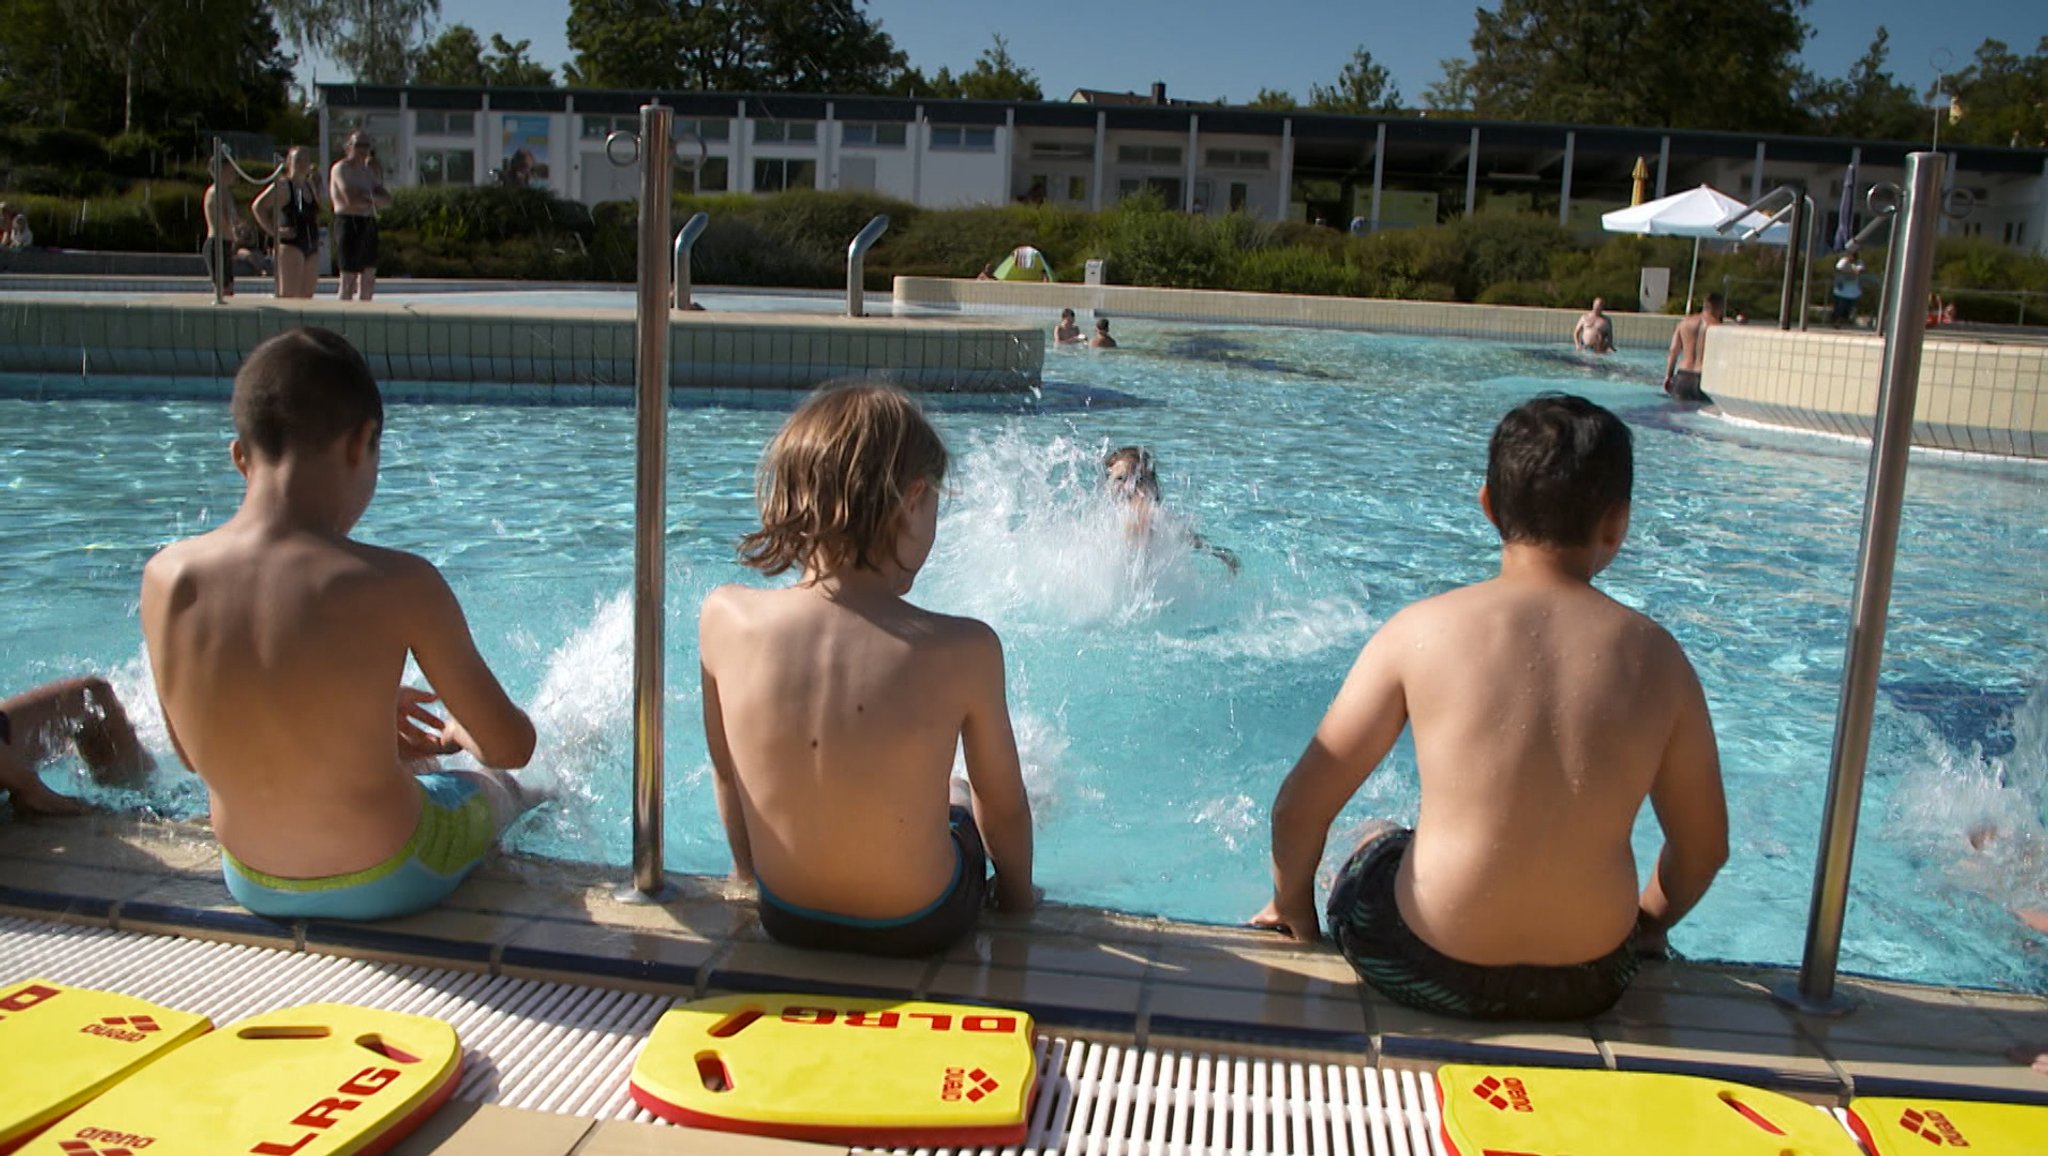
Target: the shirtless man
(1067, 332)
(278, 644)
(80, 711)
(1594, 331)
(1689, 349)
(223, 226)
(1544, 712)
(355, 187)
(1102, 339)
(832, 708)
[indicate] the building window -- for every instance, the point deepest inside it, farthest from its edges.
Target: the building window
(435, 123)
(774, 174)
(1240, 196)
(887, 136)
(1240, 159)
(952, 136)
(447, 166)
(1148, 154)
(710, 175)
(785, 132)
(1167, 188)
(1060, 150)
(709, 128)
(1077, 188)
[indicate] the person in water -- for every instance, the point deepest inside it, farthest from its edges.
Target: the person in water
(1133, 479)
(1544, 713)
(80, 712)
(279, 642)
(1067, 332)
(833, 707)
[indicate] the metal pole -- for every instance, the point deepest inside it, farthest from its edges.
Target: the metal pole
(650, 498)
(856, 264)
(1906, 323)
(685, 238)
(1791, 261)
(1806, 264)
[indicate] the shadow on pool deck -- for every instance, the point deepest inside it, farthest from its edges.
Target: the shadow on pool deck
(1152, 980)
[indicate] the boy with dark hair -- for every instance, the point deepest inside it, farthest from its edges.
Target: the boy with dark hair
(278, 644)
(832, 708)
(1544, 713)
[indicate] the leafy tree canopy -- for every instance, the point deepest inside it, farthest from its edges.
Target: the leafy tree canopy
(996, 75)
(1868, 102)
(1274, 100)
(1363, 87)
(730, 46)
(2001, 98)
(374, 41)
(457, 57)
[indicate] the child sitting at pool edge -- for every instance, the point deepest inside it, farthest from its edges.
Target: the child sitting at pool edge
(833, 707)
(278, 644)
(1544, 713)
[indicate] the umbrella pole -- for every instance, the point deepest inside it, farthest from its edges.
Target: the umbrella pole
(1693, 276)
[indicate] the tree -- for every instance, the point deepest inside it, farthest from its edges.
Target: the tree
(1274, 100)
(375, 41)
(1453, 92)
(2002, 97)
(730, 46)
(1867, 103)
(1729, 65)
(1363, 87)
(996, 75)
(457, 57)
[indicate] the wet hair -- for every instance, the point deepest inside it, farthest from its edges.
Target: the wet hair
(1144, 473)
(1717, 302)
(1556, 465)
(302, 390)
(1066, 314)
(832, 483)
(1102, 324)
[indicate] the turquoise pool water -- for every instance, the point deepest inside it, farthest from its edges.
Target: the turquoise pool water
(1158, 700)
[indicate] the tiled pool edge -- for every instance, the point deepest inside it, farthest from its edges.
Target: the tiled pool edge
(189, 337)
(1082, 968)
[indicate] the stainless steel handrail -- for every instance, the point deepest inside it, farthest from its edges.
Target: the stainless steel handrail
(1781, 201)
(650, 500)
(856, 264)
(686, 237)
(1907, 279)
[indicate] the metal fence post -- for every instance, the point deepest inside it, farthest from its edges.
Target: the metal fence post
(1908, 274)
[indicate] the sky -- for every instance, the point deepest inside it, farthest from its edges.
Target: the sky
(1206, 49)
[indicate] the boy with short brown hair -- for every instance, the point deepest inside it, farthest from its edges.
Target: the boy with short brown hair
(832, 708)
(278, 644)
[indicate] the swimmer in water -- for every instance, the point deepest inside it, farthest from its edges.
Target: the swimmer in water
(1133, 478)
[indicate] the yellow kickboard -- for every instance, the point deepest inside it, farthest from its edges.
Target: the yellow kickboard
(1896, 1126)
(877, 1072)
(61, 1046)
(319, 1080)
(1504, 1111)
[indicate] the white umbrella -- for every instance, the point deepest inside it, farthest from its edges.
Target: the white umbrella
(1693, 213)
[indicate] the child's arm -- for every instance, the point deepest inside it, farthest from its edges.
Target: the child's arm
(725, 778)
(1671, 358)
(482, 718)
(1357, 732)
(1692, 810)
(1001, 808)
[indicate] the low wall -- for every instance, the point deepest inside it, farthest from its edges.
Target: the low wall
(1429, 318)
(1976, 396)
(187, 337)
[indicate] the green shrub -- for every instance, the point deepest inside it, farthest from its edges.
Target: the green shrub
(1497, 250)
(64, 148)
(1146, 245)
(1294, 270)
(135, 156)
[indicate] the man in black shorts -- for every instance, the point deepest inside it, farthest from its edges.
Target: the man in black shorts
(355, 187)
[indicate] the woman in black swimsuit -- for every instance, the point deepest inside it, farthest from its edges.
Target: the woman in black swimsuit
(289, 210)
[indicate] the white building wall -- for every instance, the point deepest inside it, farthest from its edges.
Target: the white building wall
(955, 177)
(1068, 179)
(895, 170)
(1214, 182)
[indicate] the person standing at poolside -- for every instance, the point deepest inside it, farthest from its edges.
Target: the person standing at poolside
(1595, 330)
(82, 712)
(833, 707)
(1544, 713)
(1848, 288)
(279, 644)
(1682, 365)
(223, 225)
(355, 188)
(289, 210)
(1067, 332)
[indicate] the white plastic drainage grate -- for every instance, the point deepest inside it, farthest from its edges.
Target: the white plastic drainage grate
(567, 1048)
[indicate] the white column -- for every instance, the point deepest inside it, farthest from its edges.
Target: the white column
(1101, 159)
(2038, 242)
(1564, 194)
(1663, 167)
(1379, 172)
(828, 149)
(408, 165)
(1286, 170)
(1010, 157)
(1187, 189)
(1472, 173)
(571, 159)
(1756, 175)
(480, 171)
(920, 140)
(742, 175)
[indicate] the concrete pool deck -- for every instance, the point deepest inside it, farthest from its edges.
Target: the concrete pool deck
(1152, 982)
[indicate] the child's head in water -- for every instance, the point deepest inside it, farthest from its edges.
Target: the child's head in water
(851, 482)
(1131, 472)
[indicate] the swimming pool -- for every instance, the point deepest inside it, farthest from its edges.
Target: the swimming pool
(1159, 701)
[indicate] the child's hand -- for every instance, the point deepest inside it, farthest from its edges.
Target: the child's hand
(1302, 926)
(1012, 901)
(421, 733)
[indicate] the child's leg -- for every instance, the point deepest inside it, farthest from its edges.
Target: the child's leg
(85, 712)
(502, 791)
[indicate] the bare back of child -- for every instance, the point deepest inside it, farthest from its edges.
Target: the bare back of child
(278, 644)
(833, 707)
(1543, 713)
